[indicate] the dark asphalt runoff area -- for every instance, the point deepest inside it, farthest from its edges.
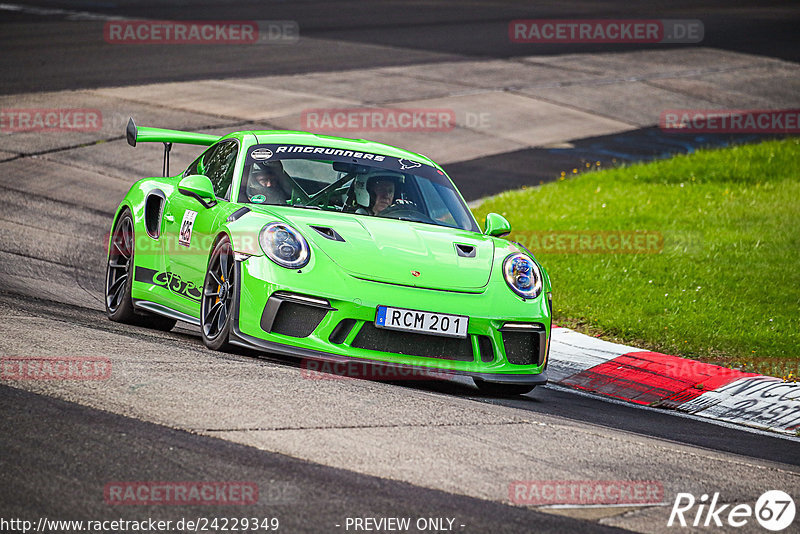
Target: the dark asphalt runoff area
(58, 457)
(44, 52)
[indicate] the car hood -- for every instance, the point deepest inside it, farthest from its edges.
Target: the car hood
(392, 251)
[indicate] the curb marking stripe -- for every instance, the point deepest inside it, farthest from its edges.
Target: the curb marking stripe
(653, 378)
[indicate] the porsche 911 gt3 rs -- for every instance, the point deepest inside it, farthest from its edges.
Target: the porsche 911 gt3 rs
(329, 249)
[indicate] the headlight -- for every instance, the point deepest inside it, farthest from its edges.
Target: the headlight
(284, 245)
(523, 275)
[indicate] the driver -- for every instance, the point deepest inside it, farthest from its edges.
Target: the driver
(381, 189)
(375, 193)
(267, 179)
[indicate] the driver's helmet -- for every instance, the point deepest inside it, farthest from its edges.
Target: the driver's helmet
(274, 168)
(362, 187)
(275, 191)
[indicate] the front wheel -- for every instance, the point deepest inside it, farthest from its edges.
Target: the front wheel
(502, 390)
(217, 303)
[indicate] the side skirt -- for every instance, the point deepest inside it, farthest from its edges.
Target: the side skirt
(160, 309)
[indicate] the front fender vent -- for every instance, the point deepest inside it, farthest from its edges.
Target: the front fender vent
(465, 251)
(328, 233)
(238, 213)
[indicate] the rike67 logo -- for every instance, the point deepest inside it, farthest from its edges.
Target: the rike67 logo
(774, 510)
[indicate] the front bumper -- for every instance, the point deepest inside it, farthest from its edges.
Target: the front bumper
(483, 355)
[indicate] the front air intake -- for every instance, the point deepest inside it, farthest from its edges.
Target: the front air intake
(293, 315)
(414, 344)
(525, 344)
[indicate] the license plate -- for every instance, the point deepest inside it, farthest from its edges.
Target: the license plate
(438, 324)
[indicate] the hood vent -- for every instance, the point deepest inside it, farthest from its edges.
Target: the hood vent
(328, 233)
(465, 251)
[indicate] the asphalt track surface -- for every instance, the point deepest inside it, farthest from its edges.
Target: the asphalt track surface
(69, 54)
(77, 442)
(56, 454)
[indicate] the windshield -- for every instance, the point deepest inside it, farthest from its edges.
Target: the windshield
(352, 182)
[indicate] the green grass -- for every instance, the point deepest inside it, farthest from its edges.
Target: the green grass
(725, 287)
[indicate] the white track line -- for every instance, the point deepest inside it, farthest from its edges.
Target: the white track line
(68, 14)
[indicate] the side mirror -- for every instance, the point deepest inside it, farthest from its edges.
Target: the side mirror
(496, 225)
(198, 187)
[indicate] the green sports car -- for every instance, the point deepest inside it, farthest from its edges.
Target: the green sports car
(328, 249)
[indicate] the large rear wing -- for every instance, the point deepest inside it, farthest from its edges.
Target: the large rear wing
(145, 134)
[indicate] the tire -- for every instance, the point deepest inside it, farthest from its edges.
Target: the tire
(119, 279)
(502, 390)
(217, 300)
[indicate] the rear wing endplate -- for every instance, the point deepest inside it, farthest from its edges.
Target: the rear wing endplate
(135, 134)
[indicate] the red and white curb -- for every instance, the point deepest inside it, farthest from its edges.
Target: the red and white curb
(583, 362)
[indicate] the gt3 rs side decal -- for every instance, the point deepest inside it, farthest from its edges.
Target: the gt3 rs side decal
(169, 280)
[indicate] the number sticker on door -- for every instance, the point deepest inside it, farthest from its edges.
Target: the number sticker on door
(185, 237)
